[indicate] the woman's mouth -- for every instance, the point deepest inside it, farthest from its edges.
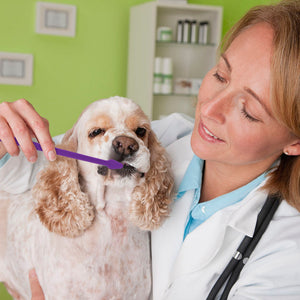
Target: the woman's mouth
(207, 135)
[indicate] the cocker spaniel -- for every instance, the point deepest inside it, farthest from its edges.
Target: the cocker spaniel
(84, 227)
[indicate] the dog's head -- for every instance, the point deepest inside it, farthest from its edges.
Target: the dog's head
(114, 128)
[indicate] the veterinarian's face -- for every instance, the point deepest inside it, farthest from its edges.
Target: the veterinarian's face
(234, 122)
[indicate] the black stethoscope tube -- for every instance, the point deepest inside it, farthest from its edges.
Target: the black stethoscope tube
(248, 244)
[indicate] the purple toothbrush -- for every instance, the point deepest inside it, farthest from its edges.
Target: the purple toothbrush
(111, 164)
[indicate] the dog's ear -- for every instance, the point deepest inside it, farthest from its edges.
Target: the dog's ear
(151, 199)
(60, 204)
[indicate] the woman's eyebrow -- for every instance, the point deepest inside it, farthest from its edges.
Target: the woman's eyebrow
(226, 62)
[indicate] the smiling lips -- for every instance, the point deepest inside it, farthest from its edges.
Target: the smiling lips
(207, 135)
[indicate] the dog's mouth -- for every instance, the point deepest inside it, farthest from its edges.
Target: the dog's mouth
(126, 171)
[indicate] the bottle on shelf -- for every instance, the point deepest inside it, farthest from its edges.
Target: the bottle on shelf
(167, 76)
(187, 31)
(193, 31)
(203, 32)
(179, 37)
(157, 76)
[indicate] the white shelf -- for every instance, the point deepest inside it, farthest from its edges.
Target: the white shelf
(189, 60)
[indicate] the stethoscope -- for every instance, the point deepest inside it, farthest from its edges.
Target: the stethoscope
(243, 252)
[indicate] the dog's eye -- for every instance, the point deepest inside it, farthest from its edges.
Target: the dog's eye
(140, 132)
(96, 132)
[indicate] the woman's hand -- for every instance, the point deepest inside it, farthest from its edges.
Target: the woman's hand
(19, 119)
(36, 290)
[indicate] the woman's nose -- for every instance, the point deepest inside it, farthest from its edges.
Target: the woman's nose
(216, 108)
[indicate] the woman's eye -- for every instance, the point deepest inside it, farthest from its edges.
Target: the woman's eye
(96, 132)
(247, 116)
(219, 77)
(140, 132)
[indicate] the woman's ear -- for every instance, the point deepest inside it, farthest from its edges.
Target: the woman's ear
(60, 204)
(292, 149)
(151, 200)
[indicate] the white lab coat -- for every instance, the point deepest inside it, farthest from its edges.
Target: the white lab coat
(188, 270)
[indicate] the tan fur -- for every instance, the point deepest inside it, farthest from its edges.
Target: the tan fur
(151, 200)
(62, 208)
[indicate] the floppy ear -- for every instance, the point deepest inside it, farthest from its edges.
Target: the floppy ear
(151, 200)
(60, 204)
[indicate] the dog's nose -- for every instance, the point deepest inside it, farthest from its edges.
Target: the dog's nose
(125, 146)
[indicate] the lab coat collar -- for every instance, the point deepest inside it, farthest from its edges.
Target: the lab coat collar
(243, 216)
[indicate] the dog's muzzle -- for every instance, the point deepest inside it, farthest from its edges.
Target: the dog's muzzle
(124, 148)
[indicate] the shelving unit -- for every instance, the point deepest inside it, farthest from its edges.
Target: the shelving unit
(189, 60)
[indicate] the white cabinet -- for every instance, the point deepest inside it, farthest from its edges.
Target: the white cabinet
(189, 60)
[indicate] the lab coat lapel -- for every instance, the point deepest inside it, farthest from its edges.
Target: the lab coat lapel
(166, 241)
(200, 246)
(203, 244)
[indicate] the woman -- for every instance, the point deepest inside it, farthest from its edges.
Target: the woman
(245, 145)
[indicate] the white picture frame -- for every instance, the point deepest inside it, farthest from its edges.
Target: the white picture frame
(55, 19)
(16, 68)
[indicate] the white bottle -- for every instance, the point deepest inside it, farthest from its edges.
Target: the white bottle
(167, 76)
(179, 38)
(187, 31)
(193, 32)
(157, 76)
(203, 32)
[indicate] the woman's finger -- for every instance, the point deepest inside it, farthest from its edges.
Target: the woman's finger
(7, 138)
(14, 125)
(20, 120)
(36, 290)
(38, 125)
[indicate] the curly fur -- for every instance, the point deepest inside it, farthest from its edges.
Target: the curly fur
(62, 209)
(151, 200)
(91, 222)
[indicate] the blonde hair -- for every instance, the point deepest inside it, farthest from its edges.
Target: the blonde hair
(284, 18)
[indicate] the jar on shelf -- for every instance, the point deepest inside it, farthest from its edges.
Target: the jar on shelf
(164, 34)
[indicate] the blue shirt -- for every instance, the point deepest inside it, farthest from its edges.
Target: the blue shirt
(200, 212)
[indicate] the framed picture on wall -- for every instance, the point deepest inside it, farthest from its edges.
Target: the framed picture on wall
(16, 68)
(55, 19)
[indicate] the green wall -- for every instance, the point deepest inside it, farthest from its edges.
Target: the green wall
(69, 73)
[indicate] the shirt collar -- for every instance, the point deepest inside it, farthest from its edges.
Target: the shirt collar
(192, 178)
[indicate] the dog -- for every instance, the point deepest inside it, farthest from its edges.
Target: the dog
(83, 227)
